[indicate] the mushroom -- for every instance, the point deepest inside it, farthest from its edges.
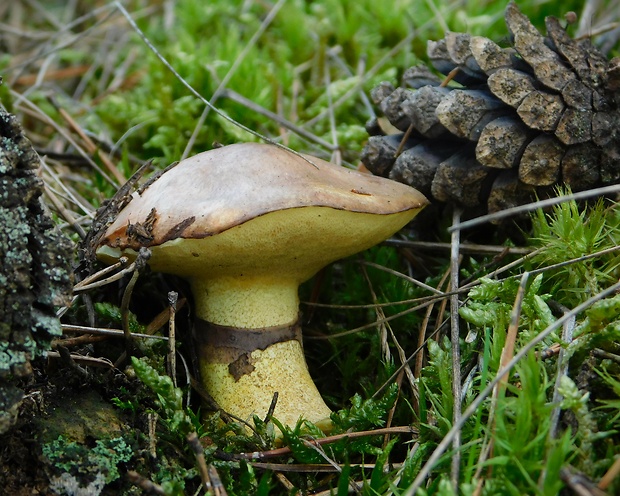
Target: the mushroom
(246, 224)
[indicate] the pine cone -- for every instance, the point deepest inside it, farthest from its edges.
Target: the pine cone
(526, 118)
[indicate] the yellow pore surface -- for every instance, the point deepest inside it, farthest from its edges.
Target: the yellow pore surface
(247, 276)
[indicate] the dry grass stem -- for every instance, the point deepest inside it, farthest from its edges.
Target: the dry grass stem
(455, 339)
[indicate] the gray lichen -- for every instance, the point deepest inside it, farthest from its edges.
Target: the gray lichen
(35, 273)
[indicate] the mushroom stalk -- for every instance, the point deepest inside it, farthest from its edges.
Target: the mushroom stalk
(244, 361)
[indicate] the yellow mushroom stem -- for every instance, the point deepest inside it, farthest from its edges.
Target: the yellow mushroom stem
(243, 368)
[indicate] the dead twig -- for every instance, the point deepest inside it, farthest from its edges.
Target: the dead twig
(85, 360)
(173, 297)
(263, 455)
(509, 212)
(194, 443)
(145, 484)
(455, 339)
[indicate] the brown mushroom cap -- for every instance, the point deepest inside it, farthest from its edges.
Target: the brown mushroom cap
(216, 190)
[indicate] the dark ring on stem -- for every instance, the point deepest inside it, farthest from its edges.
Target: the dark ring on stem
(234, 345)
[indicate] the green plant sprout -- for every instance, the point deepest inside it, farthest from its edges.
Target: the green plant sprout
(574, 233)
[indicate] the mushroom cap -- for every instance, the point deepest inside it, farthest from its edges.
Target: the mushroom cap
(256, 200)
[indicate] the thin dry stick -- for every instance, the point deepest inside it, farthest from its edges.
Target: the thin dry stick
(579, 483)
(504, 268)
(143, 255)
(77, 341)
(122, 261)
(194, 444)
(567, 337)
(68, 216)
(78, 200)
(272, 407)
(476, 403)
(581, 195)
(383, 329)
(334, 54)
(83, 359)
(66, 40)
(187, 379)
(38, 113)
(431, 300)
(162, 317)
(449, 77)
(412, 280)
(313, 467)
(610, 475)
(408, 372)
(288, 485)
(403, 360)
(283, 136)
(148, 486)
(216, 482)
(558, 265)
(474, 248)
(379, 321)
(562, 367)
(511, 335)
(322, 454)
(104, 331)
(104, 71)
(152, 426)
(88, 143)
(262, 455)
(226, 417)
(455, 338)
(422, 299)
(403, 141)
(352, 484)
(236, 97)
(371, 72)
(107, 280)
(419, 362)
(125, 309)
(438, 329)
(421, 345)
(395, 483)
(68, 194)
(173, 297)
(535, 272)
(336, 156)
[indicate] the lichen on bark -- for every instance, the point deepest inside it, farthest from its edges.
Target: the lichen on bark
(35, 268)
